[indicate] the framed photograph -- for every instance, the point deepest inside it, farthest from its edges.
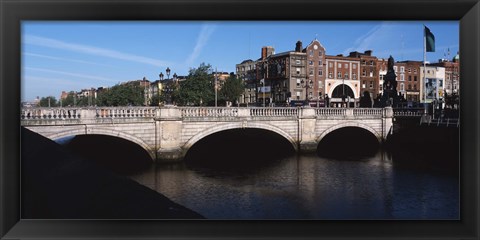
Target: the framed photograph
(356, 123)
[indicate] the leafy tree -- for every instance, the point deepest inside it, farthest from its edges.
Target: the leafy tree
(197, 88)
(44, 101)
(155, 100)
(69, 100)
(232, 88)
(121, 95)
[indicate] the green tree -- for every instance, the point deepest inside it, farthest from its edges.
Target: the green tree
(232, 89)
(69, 100)
(121, 95)
(44, 101)
(197, 88)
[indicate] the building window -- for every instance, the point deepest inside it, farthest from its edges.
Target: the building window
(402, 77)
(371, 63)
(395, 68)
(354, 66)
(409, 86)
(415, 71)
(320, 72)
(409, 70)
(354, 76)
(346, 65)
(364, 73)
(297, 62)
(381, 76)
(310, 71)
(298, 83)
(311, 53)
(310, 62)
(363, 62)
(346, 75)
(371, 84)
(402, 86)
(414, 86)
(402, 69)
(320, 85)
(320, 53)
(339, 75)
(371, 73)
(298, 70)
(320, 62)
(414, 78)
(409, 78)
(330, 75)
(339, 65)
(330, 64)
(364, 84)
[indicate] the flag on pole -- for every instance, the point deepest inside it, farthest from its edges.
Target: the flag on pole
(429, 40)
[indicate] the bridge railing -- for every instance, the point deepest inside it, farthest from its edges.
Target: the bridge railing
(330, 111)
(368, 111)
(408, 112)
(50, 113)
(209, 112)
(125, 112)
(274, 112)
(86, 113)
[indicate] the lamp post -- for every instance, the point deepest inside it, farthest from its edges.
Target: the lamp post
(167, 85)
(158, 87)
(343, 91)
(306, 86)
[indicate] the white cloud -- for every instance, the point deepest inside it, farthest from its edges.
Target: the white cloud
(369, 39)
(65, 59)
(202, 40)
(70, 74)
(53, 43)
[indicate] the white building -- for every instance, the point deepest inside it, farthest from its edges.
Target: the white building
(432, 87)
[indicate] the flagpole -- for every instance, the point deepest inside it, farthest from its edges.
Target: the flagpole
(424, 70)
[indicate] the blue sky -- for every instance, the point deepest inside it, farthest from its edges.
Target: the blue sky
(67, 55)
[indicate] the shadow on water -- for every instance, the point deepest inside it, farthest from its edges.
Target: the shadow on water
(424, 148)
(112, 153)
(349, 144)
(238, 151)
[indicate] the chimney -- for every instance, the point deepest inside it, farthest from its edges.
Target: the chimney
(368, 52)
(298, 46)
(267, 51)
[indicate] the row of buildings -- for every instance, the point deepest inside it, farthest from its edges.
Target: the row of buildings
(310, 74)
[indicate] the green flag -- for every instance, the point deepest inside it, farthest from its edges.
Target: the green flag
(429, 40)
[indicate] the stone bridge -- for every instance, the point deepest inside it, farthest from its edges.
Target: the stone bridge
(167, 133)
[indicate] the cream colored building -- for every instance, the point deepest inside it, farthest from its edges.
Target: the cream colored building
(433, 84)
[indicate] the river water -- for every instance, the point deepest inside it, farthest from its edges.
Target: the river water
(310, 187)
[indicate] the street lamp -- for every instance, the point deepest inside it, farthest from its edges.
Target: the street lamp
(158, 87)
(306, 86)
(168, 73)
(343, 91)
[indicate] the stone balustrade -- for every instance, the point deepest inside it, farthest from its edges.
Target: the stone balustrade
(204, 112)
(86, 113)
(190, 112)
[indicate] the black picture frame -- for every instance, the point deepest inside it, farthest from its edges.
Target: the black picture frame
(12, 12)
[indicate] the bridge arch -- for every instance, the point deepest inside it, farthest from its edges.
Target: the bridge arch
(238, 125)
(350, 124)
(108, 132)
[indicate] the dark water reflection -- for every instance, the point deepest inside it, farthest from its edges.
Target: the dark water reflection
(310, 187)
